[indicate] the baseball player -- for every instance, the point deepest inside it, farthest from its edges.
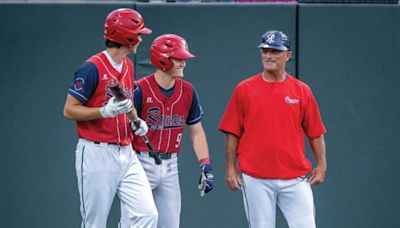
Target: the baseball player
(106, 165)
(167, 103)
(265, 122)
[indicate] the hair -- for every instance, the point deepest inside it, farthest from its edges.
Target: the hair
(112, 44)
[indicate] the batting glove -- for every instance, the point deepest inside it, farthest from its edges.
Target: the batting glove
(140, 127)
(206, 181)
(113, 108)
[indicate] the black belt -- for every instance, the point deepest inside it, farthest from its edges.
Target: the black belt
(109, 143)
(163, 156)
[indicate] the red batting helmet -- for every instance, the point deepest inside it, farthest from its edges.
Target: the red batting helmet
(168, 46)
(123, 26)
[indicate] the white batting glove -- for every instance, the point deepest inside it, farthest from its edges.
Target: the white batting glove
(140, 127)
(114, 108)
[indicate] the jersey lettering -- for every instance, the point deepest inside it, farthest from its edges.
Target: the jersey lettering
(160, 122)
(165, 116)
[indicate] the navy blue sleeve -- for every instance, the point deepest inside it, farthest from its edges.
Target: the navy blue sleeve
(137, 98)
(85, 82)
(196, 111)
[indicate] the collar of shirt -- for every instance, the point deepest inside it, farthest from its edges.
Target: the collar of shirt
(116, 66)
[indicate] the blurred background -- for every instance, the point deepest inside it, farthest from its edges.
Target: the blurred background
(346, 51)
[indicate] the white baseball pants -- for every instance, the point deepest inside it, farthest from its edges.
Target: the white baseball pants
(104, 170)
(293, 196)
(164, 181)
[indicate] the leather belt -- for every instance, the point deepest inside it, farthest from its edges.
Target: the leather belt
(163, 156)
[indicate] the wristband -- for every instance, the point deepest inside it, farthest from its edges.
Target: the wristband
(204, 161)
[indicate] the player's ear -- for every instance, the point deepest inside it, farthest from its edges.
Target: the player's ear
(289, 54)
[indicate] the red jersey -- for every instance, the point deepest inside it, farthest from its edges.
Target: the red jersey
(165, 116)
(90, 87)
(270, 119)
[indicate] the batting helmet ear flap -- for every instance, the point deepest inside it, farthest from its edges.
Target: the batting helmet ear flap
(160, 60)
(168, 46)
(166, 65)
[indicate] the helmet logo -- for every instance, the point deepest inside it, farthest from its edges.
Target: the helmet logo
(270, 38)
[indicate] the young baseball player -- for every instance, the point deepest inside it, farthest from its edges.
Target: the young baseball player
(265, 122)
(106, 165)
(167, 103)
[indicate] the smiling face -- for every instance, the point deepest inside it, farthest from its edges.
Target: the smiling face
(274, 60)
(177, 70)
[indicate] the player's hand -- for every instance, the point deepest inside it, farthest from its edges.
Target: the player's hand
(140, 127)
(317, 175)
(233, 179)
(206, 181)
(114, 108)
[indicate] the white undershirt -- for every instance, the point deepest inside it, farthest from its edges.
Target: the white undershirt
(116, 66)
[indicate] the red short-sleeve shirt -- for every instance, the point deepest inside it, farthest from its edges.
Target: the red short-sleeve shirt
(270, 119)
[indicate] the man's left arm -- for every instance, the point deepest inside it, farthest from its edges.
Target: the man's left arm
(199, 141)
(319, 149)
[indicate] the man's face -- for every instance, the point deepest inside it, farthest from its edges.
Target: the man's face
(274, 60)
(177, 70)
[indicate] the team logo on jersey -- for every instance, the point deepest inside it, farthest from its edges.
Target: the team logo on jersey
(156, 121)
(149, 100)
(105, 77)
(289, 100)
(270, 38)
(78, 85)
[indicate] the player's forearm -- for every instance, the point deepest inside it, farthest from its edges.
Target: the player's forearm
(81, 113)
(319, 149)
(75, 110)
(200, 146)
(231, 145)
(199, 141)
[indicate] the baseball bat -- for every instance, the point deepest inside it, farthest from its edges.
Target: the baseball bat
(119, 94)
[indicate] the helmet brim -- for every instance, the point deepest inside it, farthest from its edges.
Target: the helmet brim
(145, 31)
(183, 55)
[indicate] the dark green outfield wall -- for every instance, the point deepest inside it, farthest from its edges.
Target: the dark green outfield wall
(348, 54)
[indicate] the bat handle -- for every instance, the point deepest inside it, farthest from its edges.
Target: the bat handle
(133, 116)
(152, 153)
